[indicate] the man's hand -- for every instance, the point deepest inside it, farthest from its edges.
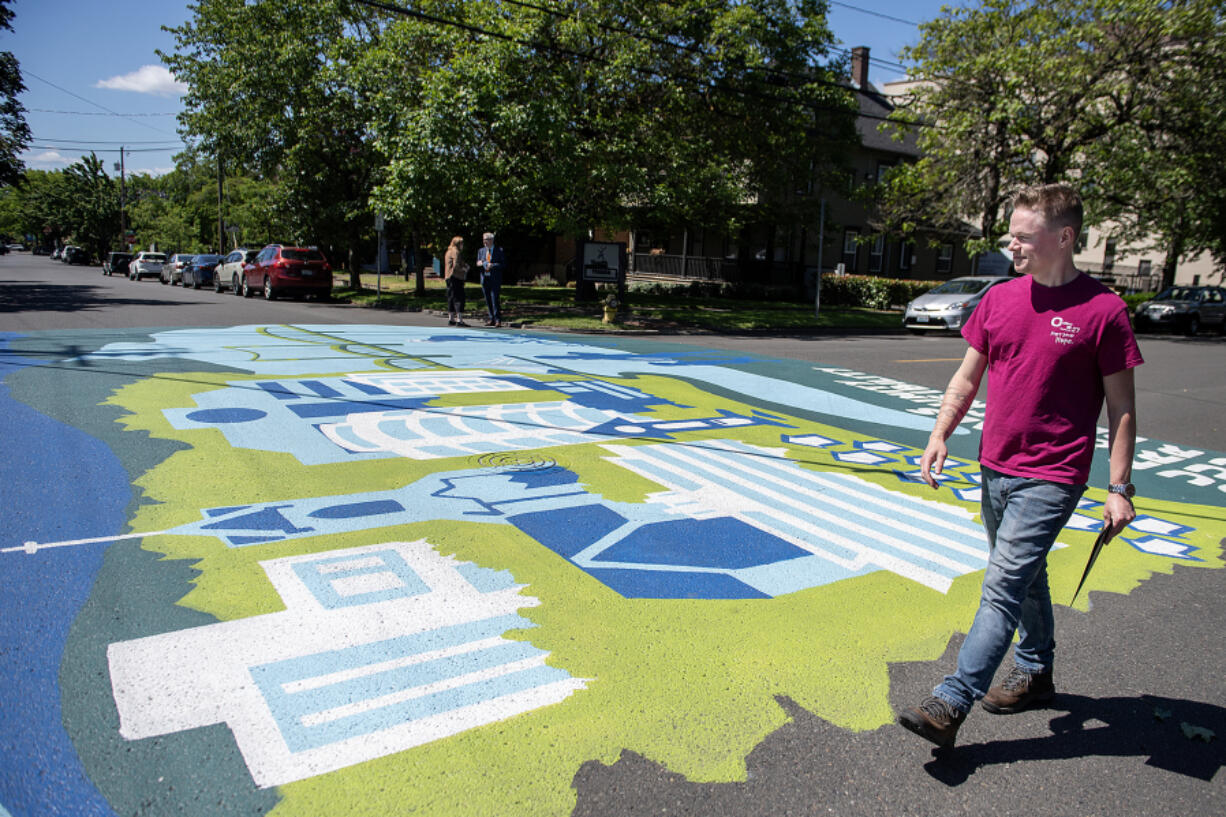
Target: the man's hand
(1118, 514)
(933, 460)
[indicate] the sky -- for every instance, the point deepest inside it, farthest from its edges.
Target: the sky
(94, 80)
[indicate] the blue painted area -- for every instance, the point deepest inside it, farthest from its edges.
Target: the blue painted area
(567, 531)
(720, 543)
(355, 510)
(226, 415)
(670, 584)
(46, 468)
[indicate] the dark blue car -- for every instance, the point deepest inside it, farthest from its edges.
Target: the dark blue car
(200, 270)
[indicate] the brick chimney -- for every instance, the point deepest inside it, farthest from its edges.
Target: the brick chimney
(859, 66)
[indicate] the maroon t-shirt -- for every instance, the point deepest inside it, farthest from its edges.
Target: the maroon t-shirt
(1048, 350)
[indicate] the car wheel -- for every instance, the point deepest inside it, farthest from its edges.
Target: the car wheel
(195, 281)
(234, 286)
(270, 294)
(162, 278)
(1193, 325)
(217, 287)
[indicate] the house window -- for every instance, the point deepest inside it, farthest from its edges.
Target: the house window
(945, 258)
(876, 256)
(1082, 241)
(883, 169)
(851, 249)
(906, 251)
(1109, 255)
(1145, 266)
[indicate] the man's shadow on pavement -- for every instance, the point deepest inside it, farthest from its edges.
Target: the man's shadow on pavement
(1171, 733)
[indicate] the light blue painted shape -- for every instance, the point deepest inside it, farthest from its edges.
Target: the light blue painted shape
(321, 577)
(370, 678)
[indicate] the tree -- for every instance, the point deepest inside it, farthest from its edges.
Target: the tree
(600, 114)
(1161, 180)
(14, 132)
(91, 205)
(1020, 92)
(447, 116)
(271, 92)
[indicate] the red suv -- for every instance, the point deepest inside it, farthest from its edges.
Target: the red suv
(281, 270)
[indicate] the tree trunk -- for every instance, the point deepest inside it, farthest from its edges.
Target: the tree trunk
(1173, 251)
(355, 267)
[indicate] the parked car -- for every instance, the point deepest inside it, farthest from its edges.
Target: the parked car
(75, 255)
(172, 270)
(230, 270)
(41, 250)
(146, 264)
(949, 305)
(199, 271)
(55, 254)
(1185, 309)
(280, 269)
(117, 262)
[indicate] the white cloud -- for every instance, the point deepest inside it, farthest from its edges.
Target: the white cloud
(49, 157)
(152, 171)
(148, 79)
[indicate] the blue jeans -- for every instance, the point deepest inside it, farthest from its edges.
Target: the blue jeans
(1022, 517)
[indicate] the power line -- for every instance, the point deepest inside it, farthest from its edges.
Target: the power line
(103, 150)
(873, 13)
(105, 141)
(89, 101)
(97, 113)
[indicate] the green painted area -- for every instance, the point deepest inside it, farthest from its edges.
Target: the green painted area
(691, 685)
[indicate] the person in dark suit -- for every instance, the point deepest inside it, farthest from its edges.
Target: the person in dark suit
(491, 260)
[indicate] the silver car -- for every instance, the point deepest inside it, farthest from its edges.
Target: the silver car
(146, 263)
(950, 304)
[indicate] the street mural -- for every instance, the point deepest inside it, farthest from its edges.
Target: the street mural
(402, 569)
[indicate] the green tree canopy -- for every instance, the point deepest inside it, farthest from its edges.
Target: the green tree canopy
(14, 132)
(575, 115)
(1018, 92)
(448, 116)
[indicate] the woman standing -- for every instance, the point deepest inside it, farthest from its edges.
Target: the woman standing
(455, 269)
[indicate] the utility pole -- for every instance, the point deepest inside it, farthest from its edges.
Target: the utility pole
(220, 229)
(123, 205)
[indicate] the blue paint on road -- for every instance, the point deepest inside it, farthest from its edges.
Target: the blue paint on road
(46, 470)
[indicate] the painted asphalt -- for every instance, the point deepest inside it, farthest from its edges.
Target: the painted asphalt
(359, 569)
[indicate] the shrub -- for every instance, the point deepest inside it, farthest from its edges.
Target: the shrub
(871, 292)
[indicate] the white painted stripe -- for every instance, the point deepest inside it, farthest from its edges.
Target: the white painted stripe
(358, 707)
(341, 676)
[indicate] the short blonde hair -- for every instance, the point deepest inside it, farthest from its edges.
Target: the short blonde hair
(1059, 204)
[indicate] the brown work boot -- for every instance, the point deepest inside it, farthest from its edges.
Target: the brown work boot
(935, 720)
(1020, 690)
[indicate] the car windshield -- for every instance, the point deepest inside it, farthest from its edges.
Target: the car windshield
(302, 255)
(207, 259)
(961, 286)
(156, 258)
(183, 257)
(1178, 294)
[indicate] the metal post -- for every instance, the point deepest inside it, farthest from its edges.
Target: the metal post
(220, 227)
(821, 241)
(123, 204)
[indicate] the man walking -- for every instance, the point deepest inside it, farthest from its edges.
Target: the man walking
(1054, 343)
(491, 261)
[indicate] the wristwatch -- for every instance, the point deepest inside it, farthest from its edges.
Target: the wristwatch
(1124, 489)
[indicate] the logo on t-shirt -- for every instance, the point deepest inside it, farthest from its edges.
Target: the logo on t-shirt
(1064, 331)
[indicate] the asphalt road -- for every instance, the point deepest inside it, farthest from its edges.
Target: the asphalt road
(1181, 391)
(1135, 669)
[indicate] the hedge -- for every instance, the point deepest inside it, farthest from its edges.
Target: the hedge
(871, 292)
(837, 290)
